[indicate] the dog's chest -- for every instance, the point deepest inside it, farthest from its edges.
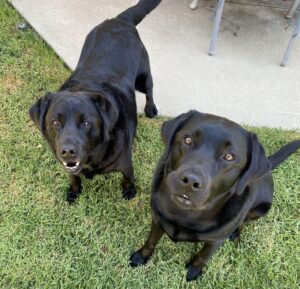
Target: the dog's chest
(179, 228)
(89, 174)
(97, 169)
(178, 233)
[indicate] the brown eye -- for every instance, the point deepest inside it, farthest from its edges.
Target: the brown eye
(86, 123)
(55, 122)
(229, 157)
(188, 140)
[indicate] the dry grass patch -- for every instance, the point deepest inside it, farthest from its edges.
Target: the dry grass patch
(10, 83)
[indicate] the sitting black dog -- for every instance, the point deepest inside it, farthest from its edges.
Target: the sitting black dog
(213, 176)
(91, 122)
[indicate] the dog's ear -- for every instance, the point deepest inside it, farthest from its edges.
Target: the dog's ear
(170, 127)
(108, 111)
(258, 165)
(39, 110)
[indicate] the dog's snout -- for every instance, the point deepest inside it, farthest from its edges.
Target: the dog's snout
(68, 151)
(192, 181)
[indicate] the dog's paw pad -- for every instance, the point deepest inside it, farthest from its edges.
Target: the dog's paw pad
(137, 259)
(150, 111)
(193, 273)
(129, 193)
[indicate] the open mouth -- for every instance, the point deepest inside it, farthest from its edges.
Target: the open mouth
(184, 200)
(71, 167)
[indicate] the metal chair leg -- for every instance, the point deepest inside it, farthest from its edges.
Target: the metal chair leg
(214, 34)
(293, 8)
(194, 4)
(291, 43)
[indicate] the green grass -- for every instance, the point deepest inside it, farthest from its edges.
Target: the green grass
(45, 243)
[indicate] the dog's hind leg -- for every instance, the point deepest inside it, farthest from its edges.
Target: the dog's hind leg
(258, 212)
(150, 108)
(144, 84)
(235, 236)
(74, 190)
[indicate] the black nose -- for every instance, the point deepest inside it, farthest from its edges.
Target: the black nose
(68, 151)
(192, 181)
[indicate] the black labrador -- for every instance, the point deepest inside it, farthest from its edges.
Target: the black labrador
(90, 122)
(213, 176)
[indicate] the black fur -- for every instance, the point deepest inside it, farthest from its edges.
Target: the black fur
(90, 123)
(136, 14)
(213, 176)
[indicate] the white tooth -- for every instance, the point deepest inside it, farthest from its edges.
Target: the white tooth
(185, 196)
(77, 164)
(65, 164)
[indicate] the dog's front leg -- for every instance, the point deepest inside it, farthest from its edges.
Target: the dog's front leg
(74, 190)
(128, 187)
(141, 256)
(201, 258)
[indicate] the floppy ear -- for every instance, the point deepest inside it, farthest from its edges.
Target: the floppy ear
(38, 111)
(170, 127)
(258, 165)
(108, 112)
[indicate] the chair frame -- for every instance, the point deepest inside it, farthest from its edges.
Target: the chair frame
(219, 11)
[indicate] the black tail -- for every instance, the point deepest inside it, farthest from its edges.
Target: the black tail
(137, 13)
(277, 158)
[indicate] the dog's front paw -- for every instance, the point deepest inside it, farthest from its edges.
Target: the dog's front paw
(137, 259)
(150, 110)
(129, 194)
(193, 273)
(72, 195)
(235, 236)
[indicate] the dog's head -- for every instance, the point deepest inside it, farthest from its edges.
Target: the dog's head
(207, 156)
(74, 124)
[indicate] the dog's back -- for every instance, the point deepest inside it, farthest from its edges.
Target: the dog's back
(113, 52)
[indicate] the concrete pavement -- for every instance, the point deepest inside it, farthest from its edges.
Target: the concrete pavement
(243, 81)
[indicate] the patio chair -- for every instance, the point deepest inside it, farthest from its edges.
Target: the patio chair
(290, 13)
(219, 11)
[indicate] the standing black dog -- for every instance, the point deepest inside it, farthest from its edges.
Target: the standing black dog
(90, 123)
(213, 176)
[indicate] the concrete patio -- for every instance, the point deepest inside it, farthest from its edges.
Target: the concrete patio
(243, 81)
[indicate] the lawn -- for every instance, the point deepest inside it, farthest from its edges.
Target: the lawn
(46, 243)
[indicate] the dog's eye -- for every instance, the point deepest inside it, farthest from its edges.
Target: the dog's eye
(55, 122)
(229, 157)
(86, 123)
(188, 140)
